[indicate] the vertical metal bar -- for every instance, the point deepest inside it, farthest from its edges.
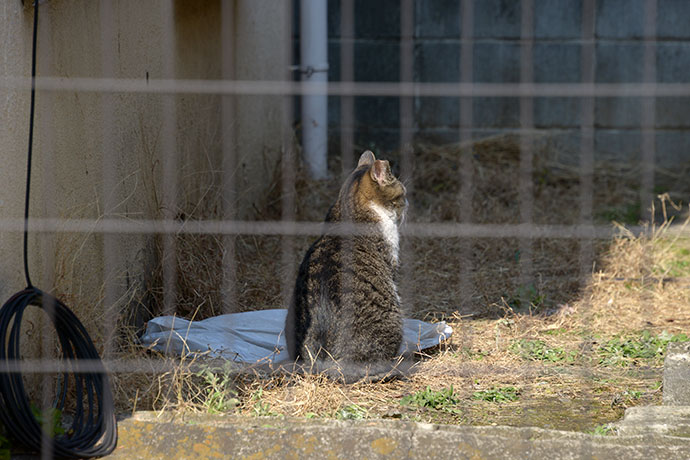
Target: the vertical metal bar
(406, 75)
(648, 134)
(406, 135)
(587, 76)
(648, 111)
(109, 172)
(287, 165)
(229, 155)
(525, 192)
(44, 138)
(587, 54)
(466, 136)
(347, 73)
(169, 158)
(347, 63)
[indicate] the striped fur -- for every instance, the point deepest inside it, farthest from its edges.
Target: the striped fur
(345, 305)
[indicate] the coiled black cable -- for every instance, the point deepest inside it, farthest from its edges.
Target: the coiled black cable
(93, 430)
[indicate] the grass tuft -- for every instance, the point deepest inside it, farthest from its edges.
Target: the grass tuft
(444, 399)
(538, 350)
(623, 351)
(497, 395)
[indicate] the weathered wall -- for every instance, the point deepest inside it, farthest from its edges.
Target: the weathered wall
(258, 29)
(82, 141)
(619, 26)
(103, 155)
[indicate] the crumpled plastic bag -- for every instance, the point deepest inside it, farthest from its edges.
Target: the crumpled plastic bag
(257, 336)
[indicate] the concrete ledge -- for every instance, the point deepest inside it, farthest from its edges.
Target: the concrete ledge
(677, 375)
(663, 420)
(148, 436)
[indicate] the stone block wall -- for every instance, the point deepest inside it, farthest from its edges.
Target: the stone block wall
(556, 56)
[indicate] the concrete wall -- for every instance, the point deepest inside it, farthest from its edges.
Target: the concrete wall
(257, 30)
(496, 58)
(103, 155)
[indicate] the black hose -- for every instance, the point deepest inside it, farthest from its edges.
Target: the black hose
(93, 431)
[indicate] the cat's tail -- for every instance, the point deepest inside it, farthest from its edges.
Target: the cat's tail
(351, 371)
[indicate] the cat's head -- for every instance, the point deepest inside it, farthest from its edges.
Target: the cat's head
(372, 189)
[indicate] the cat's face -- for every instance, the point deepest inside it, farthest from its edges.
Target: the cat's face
(380, 187)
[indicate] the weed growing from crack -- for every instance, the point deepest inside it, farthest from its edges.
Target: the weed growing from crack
(443, 400)
(603, 430)
(538, 350)
(498, 395)
(261, 408)
(621, 351)
(351, 412)
(219, 397)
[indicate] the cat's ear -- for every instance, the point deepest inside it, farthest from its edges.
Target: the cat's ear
(381, 172)
(367, 159)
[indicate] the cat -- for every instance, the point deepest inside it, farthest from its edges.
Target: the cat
(345, 309)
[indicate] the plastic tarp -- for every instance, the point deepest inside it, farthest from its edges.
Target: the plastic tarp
(257, 336)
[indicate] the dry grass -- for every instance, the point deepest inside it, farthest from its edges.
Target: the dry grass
(639, 283)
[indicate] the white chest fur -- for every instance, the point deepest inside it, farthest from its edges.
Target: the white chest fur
(389, 229)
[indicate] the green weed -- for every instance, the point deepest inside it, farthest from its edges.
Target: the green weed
(351, 412)
(4, 447)
(632, 394)
(444, 400)
(54, 421)
(627, 214)
(261, 409)
(504, 394)
(218, 396)
(620, 351)
(525, 297)
(469, 353)
(603, 430)
(537, 350)
(674, 258)
(557, 331)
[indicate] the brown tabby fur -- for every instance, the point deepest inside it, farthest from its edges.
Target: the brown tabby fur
(345, 305)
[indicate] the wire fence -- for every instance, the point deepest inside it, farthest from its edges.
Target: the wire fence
(526, 230)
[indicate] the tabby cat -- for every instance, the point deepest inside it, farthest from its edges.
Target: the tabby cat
(345, 307)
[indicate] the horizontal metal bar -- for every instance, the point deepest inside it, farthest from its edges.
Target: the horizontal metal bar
(345, 88)
(194, 362)
(293, 228)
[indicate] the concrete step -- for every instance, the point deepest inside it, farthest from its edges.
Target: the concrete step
(148, 435)
(677, 375)
(664, 420)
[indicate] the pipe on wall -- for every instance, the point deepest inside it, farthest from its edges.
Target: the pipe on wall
(314, 69)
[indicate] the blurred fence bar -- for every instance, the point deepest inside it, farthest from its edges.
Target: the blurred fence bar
(648, 110)
(110, 169)
(347, 74)
(466, 127)
(407, 125)
(170, 165)
(587, 56)
(288, 163)
(294, 228)
(46, 125)
(383, 89)
(526, 190)
(406, 102)
(648, 119)
(229, 161)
